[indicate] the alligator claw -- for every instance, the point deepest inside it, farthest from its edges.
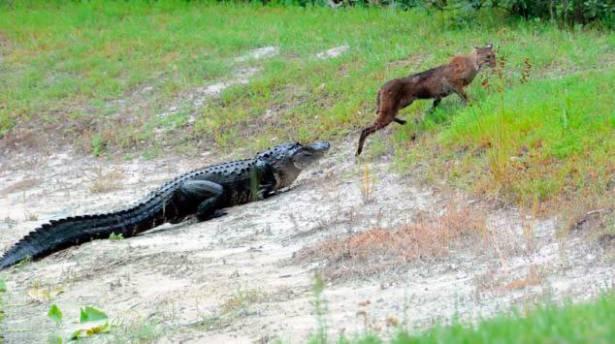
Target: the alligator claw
(217, 213)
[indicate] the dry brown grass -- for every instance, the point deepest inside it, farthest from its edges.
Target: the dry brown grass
(493, 281)
(242, 299)
(378, 250)
(367, 185)
(21, 185)
(105, 182)
(593, 218)
(533, 277)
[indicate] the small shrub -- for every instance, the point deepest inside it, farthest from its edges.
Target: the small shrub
(98, 145)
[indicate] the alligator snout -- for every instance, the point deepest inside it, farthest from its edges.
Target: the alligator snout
(319, 146)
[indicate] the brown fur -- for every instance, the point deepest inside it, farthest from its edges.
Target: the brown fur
(435, 83)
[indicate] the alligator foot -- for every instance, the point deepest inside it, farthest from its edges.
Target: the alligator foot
(215, 214)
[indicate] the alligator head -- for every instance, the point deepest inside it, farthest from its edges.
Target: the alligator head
(289, 159)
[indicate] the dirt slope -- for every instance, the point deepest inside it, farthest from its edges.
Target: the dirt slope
(233, 279)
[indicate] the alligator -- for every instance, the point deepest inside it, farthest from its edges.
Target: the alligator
(201, 193)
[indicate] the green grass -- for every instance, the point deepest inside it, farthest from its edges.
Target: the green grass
(592, 322)
(77, 71)
(536, 141)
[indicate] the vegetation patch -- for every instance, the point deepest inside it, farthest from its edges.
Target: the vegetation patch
(238, 305)
(379, 250)
(518, 146)
(580, 323)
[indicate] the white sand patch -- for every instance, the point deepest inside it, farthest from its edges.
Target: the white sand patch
(260, 53)
(333, 52)
(195, 98)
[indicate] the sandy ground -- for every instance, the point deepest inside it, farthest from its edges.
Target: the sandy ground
(233, 279)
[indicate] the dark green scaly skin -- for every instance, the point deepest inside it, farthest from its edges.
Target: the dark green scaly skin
(201, 192)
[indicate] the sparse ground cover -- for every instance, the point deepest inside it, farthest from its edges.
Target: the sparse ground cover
(590, 322)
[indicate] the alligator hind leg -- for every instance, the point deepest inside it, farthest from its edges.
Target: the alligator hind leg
(208, 209)
(206, 194)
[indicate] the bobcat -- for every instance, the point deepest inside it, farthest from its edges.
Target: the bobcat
(435, 83)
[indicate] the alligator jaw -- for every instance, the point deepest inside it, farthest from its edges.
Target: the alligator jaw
(310, 153)
(289, 159)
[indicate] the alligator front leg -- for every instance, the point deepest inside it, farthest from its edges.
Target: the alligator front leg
(264, 177)
(265, 191)
(205, 193)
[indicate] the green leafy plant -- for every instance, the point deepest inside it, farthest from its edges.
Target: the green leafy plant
(89, 314)
(98, 145)
(92, 321)
(116, 236)
(55, 314)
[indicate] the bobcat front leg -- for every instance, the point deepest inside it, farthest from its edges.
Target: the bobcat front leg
(435, 103)
(458, 89)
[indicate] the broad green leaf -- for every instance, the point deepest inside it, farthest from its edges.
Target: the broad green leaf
(55, 313)
(2, 286)
(90, 313)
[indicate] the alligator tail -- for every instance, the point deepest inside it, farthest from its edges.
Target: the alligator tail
(71, 231)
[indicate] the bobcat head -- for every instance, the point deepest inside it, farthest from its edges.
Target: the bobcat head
(485, 56)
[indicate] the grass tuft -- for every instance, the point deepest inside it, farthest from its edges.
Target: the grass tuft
(582, 323)
(379, 250)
